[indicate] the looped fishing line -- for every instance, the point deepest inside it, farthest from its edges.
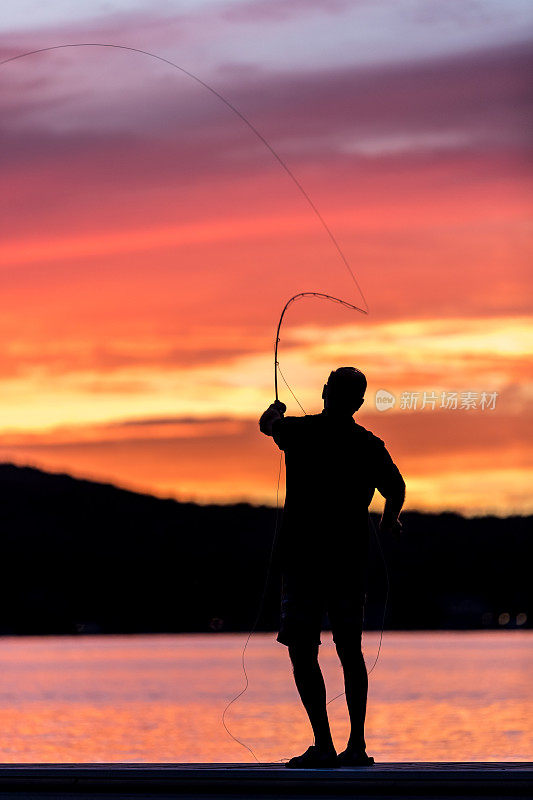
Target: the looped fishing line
(297, 296)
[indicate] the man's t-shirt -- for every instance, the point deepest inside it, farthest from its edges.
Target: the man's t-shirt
(333, 466)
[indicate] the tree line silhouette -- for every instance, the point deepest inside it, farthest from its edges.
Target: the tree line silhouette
(87, 557)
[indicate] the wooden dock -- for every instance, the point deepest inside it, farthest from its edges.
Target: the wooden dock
(134, 780)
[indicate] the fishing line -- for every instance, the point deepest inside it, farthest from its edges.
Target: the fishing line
(297, 296)
(236, 111)
(321, 296)
(290, 389)
(259, 612)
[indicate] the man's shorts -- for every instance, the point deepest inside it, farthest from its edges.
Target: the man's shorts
(305, 598)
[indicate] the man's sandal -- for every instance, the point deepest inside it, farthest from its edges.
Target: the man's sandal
(313, 758)
(349, 758)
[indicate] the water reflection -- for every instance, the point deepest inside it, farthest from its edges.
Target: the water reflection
(433, 697)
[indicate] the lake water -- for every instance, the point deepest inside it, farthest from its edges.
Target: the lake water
(159, 698)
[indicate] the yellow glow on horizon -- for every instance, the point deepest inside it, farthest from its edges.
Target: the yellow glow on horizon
(186, 431)
(454, 354)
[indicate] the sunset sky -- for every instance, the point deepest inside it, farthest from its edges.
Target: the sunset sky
(150, 240)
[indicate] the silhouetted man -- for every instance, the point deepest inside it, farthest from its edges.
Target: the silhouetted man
(333, 467)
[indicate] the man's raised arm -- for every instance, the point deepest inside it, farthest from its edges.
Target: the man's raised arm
(273, 412)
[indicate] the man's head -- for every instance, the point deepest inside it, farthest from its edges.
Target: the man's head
(344, 391)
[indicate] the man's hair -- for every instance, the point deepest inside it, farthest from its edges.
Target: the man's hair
(346, 385)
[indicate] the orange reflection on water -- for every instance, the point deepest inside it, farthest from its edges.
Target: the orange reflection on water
(433, 697)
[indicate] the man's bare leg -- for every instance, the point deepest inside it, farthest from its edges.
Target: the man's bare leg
(311, 688)
(356, 689)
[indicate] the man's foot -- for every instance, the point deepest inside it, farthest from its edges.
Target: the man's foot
(354, 758)
(313, 758)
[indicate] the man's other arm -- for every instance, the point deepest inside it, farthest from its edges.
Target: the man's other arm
(269, 417)
(392, 486)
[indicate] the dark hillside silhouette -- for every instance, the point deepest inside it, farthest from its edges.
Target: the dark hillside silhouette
(81, 556)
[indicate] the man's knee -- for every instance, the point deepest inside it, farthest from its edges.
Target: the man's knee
(303, 655)
(349, 652)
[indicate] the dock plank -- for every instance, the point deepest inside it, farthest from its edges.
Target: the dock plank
(133, 779)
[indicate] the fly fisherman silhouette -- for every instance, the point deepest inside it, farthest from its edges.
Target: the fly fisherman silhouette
(333, 467)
